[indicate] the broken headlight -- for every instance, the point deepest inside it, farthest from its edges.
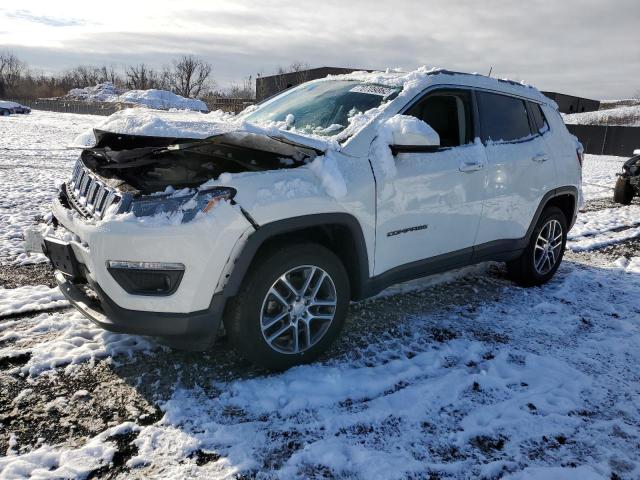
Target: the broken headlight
(187, 203)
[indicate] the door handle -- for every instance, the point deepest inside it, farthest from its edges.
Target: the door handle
(470, 166)
(540, 158)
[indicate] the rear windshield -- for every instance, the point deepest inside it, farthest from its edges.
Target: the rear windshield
(323, 108)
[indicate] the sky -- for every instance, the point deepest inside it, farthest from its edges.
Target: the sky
(582, 47)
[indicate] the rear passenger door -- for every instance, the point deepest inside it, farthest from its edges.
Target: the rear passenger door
(520, 168)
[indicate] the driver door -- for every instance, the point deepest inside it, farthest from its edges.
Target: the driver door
(433, 205)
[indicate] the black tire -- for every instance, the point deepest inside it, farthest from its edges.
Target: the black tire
(623, 192)
(523, 269)
(243, 319)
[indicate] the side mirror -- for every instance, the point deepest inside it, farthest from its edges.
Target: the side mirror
(410, 134)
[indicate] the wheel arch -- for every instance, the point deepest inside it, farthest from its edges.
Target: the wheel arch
(340, 232)
(565, 198)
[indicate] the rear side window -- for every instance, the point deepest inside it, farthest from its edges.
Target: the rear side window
(503, 118)
(539, 121)
(448, 113)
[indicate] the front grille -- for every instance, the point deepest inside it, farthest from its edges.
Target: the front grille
(88, 195)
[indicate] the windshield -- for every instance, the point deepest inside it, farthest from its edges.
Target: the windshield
(323, 108)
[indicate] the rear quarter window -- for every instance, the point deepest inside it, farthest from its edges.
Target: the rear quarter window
(503, 118)
(539, 121)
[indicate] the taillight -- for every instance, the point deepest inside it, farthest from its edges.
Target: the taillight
(580, 157)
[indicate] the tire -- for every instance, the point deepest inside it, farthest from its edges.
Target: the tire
(623, 192)
(250, 313)
(526, 270)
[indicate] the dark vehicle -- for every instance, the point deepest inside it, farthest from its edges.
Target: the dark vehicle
(628, 183)
(7, 108)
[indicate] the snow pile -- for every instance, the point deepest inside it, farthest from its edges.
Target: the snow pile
(102, 92)
(152, 98)
(162, 99)
(52, 462)
(627, 115)
(64, 339)
(29, 298)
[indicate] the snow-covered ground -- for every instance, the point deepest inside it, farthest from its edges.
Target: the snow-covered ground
(463, 375)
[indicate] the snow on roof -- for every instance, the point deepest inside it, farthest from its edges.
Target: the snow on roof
(415, 81)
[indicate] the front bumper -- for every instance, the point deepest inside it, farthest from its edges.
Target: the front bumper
(191, 331)
(188, 317)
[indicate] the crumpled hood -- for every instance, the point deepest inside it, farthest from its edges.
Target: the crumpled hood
(175, 126)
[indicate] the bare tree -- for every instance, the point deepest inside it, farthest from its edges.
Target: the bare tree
(245, 89)
(109, 74)
(141, 77)
(190, 76)
(292, 75)
(11, 71)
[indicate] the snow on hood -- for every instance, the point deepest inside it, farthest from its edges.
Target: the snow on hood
(192, 125)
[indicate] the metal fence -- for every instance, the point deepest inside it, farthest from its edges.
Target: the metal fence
(234, 105)
(72, 106)
(607, 139)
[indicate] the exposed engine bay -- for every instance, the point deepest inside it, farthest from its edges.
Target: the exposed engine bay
(145, 165)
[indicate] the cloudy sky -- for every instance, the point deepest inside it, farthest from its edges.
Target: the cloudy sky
(584, 47)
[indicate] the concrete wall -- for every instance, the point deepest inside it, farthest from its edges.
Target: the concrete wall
(272, 84)
(573, 104)
(607, 139)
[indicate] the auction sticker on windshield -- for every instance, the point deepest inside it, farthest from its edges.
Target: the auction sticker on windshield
(373, 90)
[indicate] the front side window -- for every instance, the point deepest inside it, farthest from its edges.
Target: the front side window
(503, 118)
(323, 108)
(448, 113)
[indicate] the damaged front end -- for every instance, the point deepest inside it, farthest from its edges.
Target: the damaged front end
(151, 175)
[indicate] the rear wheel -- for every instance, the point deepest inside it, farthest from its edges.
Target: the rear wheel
(291, 306)
(623, 192)
(540, 260)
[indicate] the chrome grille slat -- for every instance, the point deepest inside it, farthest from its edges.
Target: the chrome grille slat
(90, 197)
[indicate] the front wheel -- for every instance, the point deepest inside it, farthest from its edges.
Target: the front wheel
(291, 306)
(540, 260)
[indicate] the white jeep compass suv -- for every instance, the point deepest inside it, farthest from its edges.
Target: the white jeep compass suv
(271, 222)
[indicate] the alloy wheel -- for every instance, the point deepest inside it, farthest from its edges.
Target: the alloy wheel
(298, 309)
(548, 247)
